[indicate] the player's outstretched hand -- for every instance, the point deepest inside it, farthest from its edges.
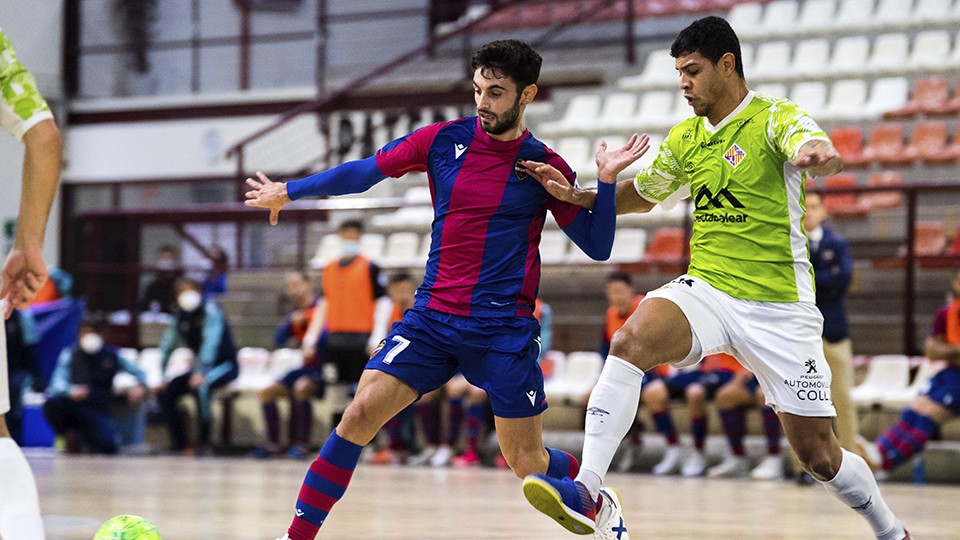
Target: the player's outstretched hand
(610, 163)
(555, 182)
(265, 193)
(24, 273)
(819, 158)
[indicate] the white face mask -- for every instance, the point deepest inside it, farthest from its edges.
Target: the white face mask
(91, 343)
(189, 300)
(349, 248)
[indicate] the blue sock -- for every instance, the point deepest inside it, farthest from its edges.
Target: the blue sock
(562, 464)
(324, 485)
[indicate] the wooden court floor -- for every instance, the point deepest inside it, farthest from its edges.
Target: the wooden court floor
(244, 499)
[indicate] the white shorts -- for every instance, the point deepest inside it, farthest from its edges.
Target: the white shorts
(4, 376)
(779, 342)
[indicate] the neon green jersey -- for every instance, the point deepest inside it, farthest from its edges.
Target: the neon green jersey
(21, 105)
(748, 240)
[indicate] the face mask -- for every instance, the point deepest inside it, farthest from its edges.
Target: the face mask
(189, 300)
(349, 248)
(91, 343)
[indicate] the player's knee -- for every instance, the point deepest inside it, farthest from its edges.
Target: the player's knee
(358, 424)
(303, 389)
(819, 461)
(696, 393)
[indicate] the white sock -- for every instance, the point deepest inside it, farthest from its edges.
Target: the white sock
(19, 505)
(610, 413)
(856, 486)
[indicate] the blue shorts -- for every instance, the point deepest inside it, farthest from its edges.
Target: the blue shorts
(315, 374)
(944, 389)
(499, 355)
(711, 380)
(752, 384)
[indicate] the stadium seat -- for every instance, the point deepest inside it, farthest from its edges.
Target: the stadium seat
(816, 16)
(929, 50)
(654, 109)
(577, 152)
(886, 145)
(581, 113)
(669, 244)
(254, 375)
(371, 245)
(780, 18)
(853, 15)
(842, 204)
(328, 250)
(877, 200)
(553, 247)
(930, 238)
(885, 374)
(930, 95)
(150, 361)
(772, 61)
(953, 61)
(892, 13)
(618, 109)
(424, 252)
(745, 19)
(929, 143)
(747, 51)
(809, 58)
(401, 250)
(552, 366)
(628, 246)
(901, 399)
(578, 377)
(931, 11)
(811, 96)
(776, 90)
(849, 142)
(283, 361)
(124, 380)
(886, 94)
(658, 72)
(850, 56)
(847, 100)
(889, 53)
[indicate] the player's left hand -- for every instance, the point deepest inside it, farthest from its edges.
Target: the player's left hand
(24, 273)
(610, 163)
(819, 158)
(266, 193)
(556, 183)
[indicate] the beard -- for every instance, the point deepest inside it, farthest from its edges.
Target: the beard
(503, 122)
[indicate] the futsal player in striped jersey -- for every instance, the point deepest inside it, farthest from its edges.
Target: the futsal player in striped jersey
(474, 310)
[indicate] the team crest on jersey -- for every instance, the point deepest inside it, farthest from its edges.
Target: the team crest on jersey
(734, 155)
(520, 170)
(380, 346)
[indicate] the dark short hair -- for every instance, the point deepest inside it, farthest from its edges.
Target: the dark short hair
(514, 58)
(188, 282)
(95, 321)
(349, 224)
(400, 277)
(712, 37)
(619, 276)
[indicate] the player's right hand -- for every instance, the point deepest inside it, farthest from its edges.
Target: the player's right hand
(266, 193)
(556, 183)
(24, 273)
(610, 163)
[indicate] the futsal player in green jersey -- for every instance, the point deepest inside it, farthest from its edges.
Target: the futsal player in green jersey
(749, 290)
(26, 116)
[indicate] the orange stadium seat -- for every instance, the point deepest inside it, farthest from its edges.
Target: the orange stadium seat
(930, 238)
(954, 248)
(842, 204)
(929, 143)
(875, 200)
(930, 95)
(886, 145)
(849, 142)
(668, 245)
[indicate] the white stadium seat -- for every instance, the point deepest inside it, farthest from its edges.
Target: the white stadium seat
(775, 90)
(328, 250)
(181, 362)
(889, 54)
(899, 400)
(747, 51)
(772, 61)
(283, 361)
(253, 363)
(578, 378)
(628, 245)
(885, 374)
(816, 17)
(553, 247)
(371, 245)
(892, 13)
(780, 18)
(854, 15)
(581, 113)
(659, 71)
(577, 152)
(618, 109)
(810, 58)
(929, 50)
(745, 19)
(847, 98)
(654, 108)
(850, 56)
(887, 94)
(953, 61)
(401, 250)
(150, 360)
(932, 11)
(811, 96)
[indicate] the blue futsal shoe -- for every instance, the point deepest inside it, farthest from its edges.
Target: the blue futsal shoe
(566, 501)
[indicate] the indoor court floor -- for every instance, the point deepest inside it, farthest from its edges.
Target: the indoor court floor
(245, 499)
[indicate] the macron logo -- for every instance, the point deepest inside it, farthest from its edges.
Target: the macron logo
(299, 512)
(459, 149)
(532, 396)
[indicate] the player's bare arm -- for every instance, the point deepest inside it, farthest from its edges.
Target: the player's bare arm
(265, 193)
(819, 158)
(936, 348)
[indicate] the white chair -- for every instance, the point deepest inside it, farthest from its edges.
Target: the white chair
(847, 98)
(577, 152)
(283, 361)
(747, 51)
(811, 96)
(810, 58)
(932, 12)
(774, 90)
(424, 252)
(417, 195)
(150, 360)
(180, 363)
(929, 50)
(581, 113)
(850, 56)
(123, 380)
(553, 366)
(897, 401)
(885, 374)
(745, 19)
(816, 17)
(659, 71)
(772, 61)
(579, 376)
(629, 245)
(780, 18)
(953, 62)
(618, 109)
(401, 250)
(892, 13)
(553, 247)
(653, 108)
(253, 373)
(853, 15)
(371, 245)
(328, 250)
(647, 159)
(889, 53)
(888, 94)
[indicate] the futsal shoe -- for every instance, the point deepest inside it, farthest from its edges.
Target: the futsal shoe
(730, 467)
(770, 468)
(564, 500)
(870, 453)
(467, 459)
(422, 457)
(669, 463)
(628, 458)
(442, 457)
(610, 525)
(298, 452)
(694, 464)
(284, 537)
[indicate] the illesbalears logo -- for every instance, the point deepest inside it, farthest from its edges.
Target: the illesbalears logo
(705, 199)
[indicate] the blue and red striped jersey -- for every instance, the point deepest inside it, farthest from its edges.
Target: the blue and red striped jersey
(488, 215)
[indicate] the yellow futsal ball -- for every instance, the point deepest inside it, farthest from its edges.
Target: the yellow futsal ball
(127, 528)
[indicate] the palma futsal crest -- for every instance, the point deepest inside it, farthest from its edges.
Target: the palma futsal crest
(734, 155)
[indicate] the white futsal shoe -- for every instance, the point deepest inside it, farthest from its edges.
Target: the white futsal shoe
(670, 461)
(730, 467)
(770, 468)
(285, 536)
(694, 464)
(610, 525)
(442, 457)
(422, 457)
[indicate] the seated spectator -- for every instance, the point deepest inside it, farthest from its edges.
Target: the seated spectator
(199, 325)
(696, 386)
(159, 296)
(937, 403)
(733, 401)
(23, 367)
(81, 392)
(215, 283)
(300, 385)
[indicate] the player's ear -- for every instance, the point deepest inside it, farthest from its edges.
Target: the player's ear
(728, 63)
(528, 94)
